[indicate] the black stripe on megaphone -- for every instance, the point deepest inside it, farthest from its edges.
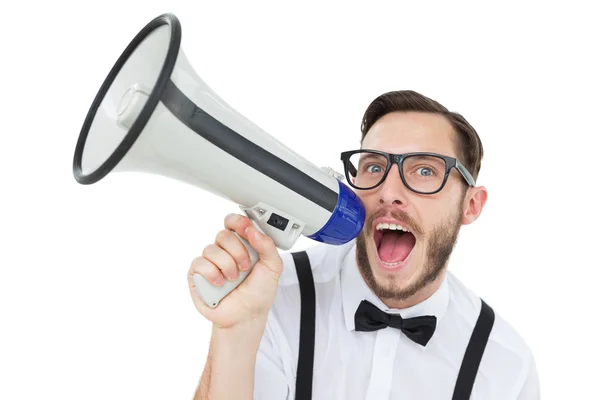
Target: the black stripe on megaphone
(245, 150)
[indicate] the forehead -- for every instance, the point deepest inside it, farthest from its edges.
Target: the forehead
(402, 132)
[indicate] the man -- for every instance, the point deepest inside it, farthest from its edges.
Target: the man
(415, 205)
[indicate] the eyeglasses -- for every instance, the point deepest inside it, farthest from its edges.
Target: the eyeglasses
(421, 172)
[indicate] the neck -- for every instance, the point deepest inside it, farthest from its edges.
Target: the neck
(426, 292)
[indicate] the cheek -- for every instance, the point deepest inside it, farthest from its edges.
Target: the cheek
(431, 213)
(438, 214)
(369, 200)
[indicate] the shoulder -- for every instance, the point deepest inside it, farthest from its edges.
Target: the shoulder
(283, 324)
(467, 305)
(325, 263)
(508, 359)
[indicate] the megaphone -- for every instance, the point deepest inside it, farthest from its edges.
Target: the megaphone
(153, 114)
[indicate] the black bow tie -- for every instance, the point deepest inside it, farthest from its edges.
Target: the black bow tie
(370, 318)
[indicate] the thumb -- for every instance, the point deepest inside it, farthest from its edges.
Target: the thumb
(266, 249)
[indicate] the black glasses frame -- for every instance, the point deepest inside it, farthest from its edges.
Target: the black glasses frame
(398, 159)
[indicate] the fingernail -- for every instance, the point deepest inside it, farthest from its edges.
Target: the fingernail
(219, 281)
(245, 265)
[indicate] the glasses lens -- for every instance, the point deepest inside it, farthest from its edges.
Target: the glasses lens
(367, 169)
(424, 173)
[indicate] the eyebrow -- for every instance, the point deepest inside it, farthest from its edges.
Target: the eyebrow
(370, 156)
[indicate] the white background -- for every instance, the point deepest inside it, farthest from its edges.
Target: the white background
(93, 293)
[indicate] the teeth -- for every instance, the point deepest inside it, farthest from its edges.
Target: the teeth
(393, 227)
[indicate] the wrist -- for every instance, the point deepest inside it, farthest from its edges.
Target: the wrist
(244, 335)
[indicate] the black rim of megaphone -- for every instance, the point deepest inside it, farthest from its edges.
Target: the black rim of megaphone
(141, 121)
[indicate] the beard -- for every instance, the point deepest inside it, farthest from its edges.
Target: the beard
(440, 244)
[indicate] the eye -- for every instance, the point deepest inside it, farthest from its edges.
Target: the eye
(374, 168)
(425, 171)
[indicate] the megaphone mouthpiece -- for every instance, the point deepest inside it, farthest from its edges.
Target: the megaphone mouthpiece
(153, 114)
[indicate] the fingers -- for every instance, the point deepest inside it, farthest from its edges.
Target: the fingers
(222, 259)
(227, 240)
(238, 223)
(265, 247)
(226, 257)
(208, 270)
(262, 243)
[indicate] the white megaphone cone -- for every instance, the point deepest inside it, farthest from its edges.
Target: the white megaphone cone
(153, 114)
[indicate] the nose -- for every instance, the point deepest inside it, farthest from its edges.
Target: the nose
(392, 191)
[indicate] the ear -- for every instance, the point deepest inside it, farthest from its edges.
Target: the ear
(474, 202)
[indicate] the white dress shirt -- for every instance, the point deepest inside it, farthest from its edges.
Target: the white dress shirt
(385, 364)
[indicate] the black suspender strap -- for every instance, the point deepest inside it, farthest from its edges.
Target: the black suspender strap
(474, 353)
(306, 349)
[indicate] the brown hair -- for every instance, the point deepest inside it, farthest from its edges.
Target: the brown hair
(469, 149)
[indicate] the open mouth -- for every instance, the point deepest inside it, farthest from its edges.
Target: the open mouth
(393, 242)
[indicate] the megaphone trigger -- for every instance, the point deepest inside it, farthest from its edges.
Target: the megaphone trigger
(283, 228)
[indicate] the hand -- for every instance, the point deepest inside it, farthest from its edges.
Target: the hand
(251, 301)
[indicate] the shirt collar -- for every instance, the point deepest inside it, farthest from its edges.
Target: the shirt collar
(354, 289)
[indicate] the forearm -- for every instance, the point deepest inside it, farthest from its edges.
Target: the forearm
(231, 361)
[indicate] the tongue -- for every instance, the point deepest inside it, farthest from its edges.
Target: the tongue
(395, 246)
